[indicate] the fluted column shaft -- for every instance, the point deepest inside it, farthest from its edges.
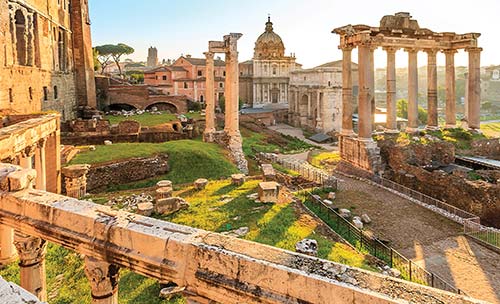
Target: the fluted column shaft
(432, 102)
(412, 90)
(391, 123)
(347, 92)
(451, 95)
(372, 83)
(364, 100)
(474, 84)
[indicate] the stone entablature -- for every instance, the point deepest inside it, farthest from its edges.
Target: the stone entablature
(211, 267)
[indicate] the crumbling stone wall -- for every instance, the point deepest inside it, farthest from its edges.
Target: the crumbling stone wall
(487, 147)
(417, 166)
(102, 175)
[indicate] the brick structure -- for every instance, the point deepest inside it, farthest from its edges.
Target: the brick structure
(47, 57)
(186, 77)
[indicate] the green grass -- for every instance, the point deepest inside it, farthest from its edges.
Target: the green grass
(279, 225)
(320, 158)
(188, 160)
(491, 129)
(254, 142)
(149, 120)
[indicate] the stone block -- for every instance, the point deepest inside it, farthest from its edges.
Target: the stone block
(328, 202)
(22, 179)
(357, 223)
(268, 172)
(164, 183)
(200, 183)
(108, 142)
(366, 219)
(170, 205)
(129, 127)
(163, 192)
(238, 179)
(307, 246)
(269, 192)
(332, 196)
(345, 213)
(145, 209)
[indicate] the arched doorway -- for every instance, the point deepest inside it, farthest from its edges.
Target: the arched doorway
(275, 95)
(120, 107)
(21, 43)
(163, 107)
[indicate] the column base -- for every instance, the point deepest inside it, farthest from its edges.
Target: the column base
(432, 128)
(412, 130)
(451, 126)
(391, 131)
(208, 136)
(348, 133)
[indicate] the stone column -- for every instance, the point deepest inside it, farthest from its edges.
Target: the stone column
(347, 129)
(319, 122)
(391, 124)
(31, 252)
(7, 249)
(432, 100)
(451, 96)
(474, 85)
(53, 163)
(75, 180)
(210, 98)
(309, 105)
(227, 94)
(232, 98)
(30, 60)
(103, 278)
(364, 101)
(412, 91)
(40, 166)
(372, 83)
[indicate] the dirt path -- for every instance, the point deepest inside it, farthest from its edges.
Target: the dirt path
(430, 240)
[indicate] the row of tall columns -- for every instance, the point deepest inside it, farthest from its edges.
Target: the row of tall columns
(367, 93)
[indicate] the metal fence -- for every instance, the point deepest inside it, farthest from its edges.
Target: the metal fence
(366, 244)
(301, 167)
(484, 235)
(461, 214)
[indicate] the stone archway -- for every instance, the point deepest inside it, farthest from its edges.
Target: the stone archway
(163, 107)
(304, 109)
(120, 107)
(21, 41)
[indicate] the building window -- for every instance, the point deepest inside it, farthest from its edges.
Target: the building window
(45, 93)
(329, 83)
(30, 91)
(164, 77)
(200, 73)
(21, 39)
(186, 85)
(274, 71)
(11, 96)
(56, 93)
(221, 84)
(156, 77)
(224, 73)
(305, 78)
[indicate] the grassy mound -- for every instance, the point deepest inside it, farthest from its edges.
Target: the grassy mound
(188, 160)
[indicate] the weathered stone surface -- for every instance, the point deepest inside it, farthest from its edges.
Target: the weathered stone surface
(307, 246)
(145, 209)
(102, 175)
(345, 213)
(328, 202)
(269, 192)
(10, 293)
(358, 223)
(22, 179)
(108, 142)
(129, 127)
(366, 219)
(268, 172)
(170, 205)
(163, 192)
(200, 183)
(168, 292)
(238, 179)
(332, 196)
(164, 183)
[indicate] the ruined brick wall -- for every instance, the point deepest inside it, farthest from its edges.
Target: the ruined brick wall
(405, 165)
(41, 57)
(487, 147)
(102, 175)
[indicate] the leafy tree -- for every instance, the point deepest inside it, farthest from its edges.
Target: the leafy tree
(402, 108)
(422, 115)
(97, 64)
(104, 55)
(113, 52)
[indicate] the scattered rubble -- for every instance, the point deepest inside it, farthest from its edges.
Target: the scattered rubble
(169, 292)
(170, 205)
(366, 219)
(200, 183)
(331, 196)
(129, 203)
(345, 213)
(307, 246)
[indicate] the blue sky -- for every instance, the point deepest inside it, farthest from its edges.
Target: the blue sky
(178, 27)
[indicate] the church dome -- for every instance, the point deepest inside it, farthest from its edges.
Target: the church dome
(269, 45)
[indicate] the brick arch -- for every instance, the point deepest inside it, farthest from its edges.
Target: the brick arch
(164, 106)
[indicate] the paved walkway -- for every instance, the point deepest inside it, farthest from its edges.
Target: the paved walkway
(297, 132)
(430, 240)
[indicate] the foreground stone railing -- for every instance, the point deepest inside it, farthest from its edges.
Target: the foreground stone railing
(210, 266)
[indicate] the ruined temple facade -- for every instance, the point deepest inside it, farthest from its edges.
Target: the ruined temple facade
(46, 61)
(264, 80)
(396, 32)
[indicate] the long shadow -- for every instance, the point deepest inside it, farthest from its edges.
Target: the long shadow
(225, 190)
(275, 230)
(147, 295)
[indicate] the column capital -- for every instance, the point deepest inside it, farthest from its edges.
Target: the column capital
(449, 51)
(103, 277)
(390, 49)
(473, 49)
(209, 55)
(412, 50)
(346, 47)
(41, 143)
(31, 249)
(373, 47)
(431, 52)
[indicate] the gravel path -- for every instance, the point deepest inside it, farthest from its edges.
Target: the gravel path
(430, 240)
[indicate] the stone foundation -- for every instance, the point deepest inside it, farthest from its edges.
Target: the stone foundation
(102, 175)
(233, 144)
(364, 154)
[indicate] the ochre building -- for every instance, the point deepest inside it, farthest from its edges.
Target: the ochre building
(46, 60)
